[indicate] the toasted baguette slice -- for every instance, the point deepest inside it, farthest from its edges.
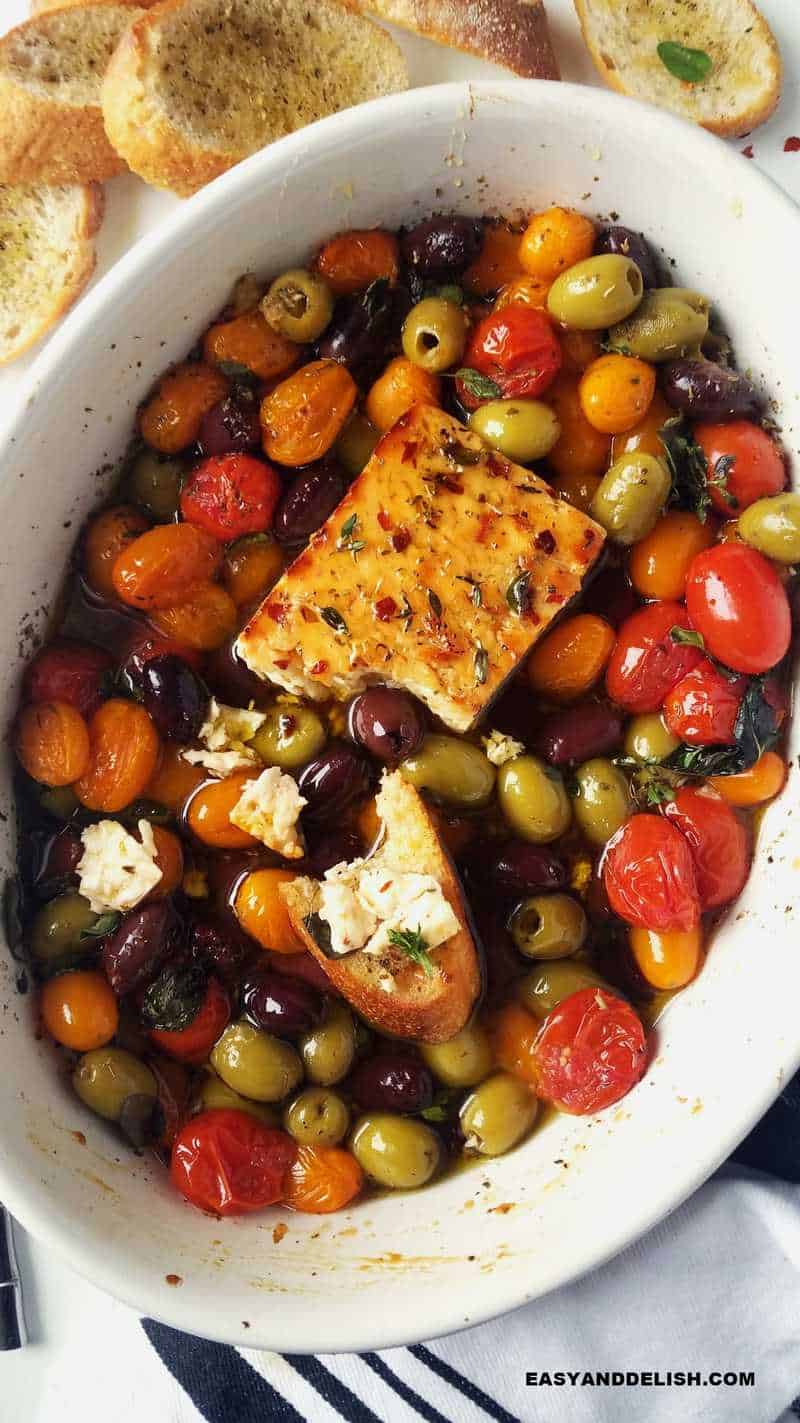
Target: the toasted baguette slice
(512, 33)
(744, 85)
(51, 125)
(41, 7)
(196, 86)
(425, 1009)
(46, 258)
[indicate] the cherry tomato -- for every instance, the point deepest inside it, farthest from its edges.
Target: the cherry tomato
(753, 464)
(145, 644)
(227, 1162)
(517, 348)
(231, 495)
(702, 708)
(737, 602)
(649, 877)
(194, 1042)
(322, 1179)
(590, 1051)
(67, 671)
(647, 662)
(718, 842)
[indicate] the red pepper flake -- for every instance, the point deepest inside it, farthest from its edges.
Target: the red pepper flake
(385, 609)
(308, 615)
(498, 466)
(174, 1280)
(484, 525)
(409, 451)
(401, 540)
(282, 663)
(748, 151)
(318, 669)
(792, 145)
(277, 611)
(384, 519)
(554, 596)
(545, 541)
(589, 536)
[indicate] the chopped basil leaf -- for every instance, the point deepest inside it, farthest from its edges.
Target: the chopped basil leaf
(173, 1001)
(234, 370)
(106, 924)
(687, 637)
(687, 465)
(690, 65)
(479, 386)
(415, 945)
(719, 479)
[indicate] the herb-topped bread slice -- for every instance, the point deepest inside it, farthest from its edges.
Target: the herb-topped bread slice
(438, 572)
(392, 932)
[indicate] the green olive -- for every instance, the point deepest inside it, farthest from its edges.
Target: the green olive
(544, 988)
(497, 1115)
(648, 739)
(214, 1094)
(354, 447)
(631, 495)
(255, 1064)
(533, 799)
(289, 736)
(155, 483)
(463, 1060)
(596, 293)
(57, 928)
(397, 1152)
(603, 800)
(773, 527)
(107, 1076)
(452, 770)
(670, 322)
(435, 334)
(548, 926)
(59, 801)
(298, 305)
(524, 430)
(318, 1117)
(328, 1049)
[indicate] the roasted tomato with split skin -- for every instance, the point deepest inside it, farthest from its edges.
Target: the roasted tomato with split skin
(649, 876)
(718, 842)
(227, 1162)
(516, 348)
(231, 495)
(648, 661)
(590, 1052)
(73, 672)
(702, 708)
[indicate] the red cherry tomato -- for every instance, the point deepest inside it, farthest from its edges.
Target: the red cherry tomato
(517, 348)
(702, 708)
(589, 1052)
(67, 671)
(194, 1042)
(231, 495)
(228, 1162)
(736, 600)
(757, 466)
(646, 662)
(648, 873)
(718, 842)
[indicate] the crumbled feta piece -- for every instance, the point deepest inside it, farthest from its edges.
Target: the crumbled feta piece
(501, 748)
(225, 734)
(268, 808)
(117, 871)
(363, 902)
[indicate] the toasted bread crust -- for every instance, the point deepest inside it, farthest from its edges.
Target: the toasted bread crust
(512, 33)
(417, 1008)
(43, 7)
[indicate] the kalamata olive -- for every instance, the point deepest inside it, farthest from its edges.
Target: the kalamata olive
(523, 868)
(363, 326)
(442, 246)
(226, 868)
(388, 723)
(516, 711)
(218, 941)
(334, 848)
(392, 1082)
(136, 949)
(174, 697)
(284, 1006)
(232, 681)
(232, 424)
(624, 242)
(576, 733)
(705, 391)
(333, 780)
(53, 860)
(307, 501)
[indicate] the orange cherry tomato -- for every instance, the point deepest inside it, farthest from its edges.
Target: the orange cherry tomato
(554, 240)
(581, 453)
(667, 960)
(737, 602)
(203, 620)
(760, 783)
(498, 263)
(401, 385)
(52, 743)
(208, 812)
(571, 658)
(702, 708)
(616, 392)
(350, 262)
(105, 538)
(718, 842)
(194, 1042)
(659, 563)
(231, 495)
(590, 1052)
(162, 566)
(528, 291)
(169, 860)
(262, 913)
(229, 1163)
(644, 438)
(124, 754)
(174, 780)
(252, 566)
(649, 875)
(79, 1010)
(170, 420)
(514, 1032)
(322, 1179)
(744, 464)
(248, 340)
(303, 416)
